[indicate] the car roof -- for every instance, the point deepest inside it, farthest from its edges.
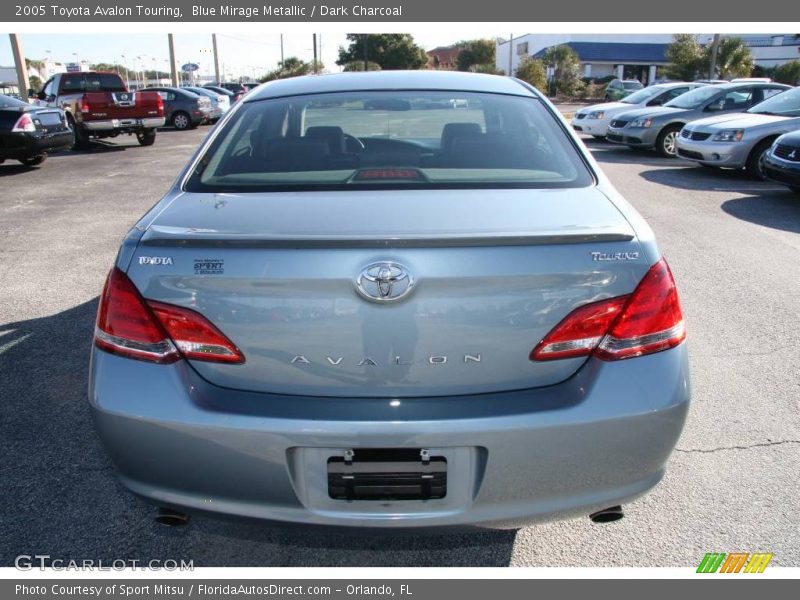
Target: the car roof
(672, 84)
(390, 80)
(169, 88)
(758, 84)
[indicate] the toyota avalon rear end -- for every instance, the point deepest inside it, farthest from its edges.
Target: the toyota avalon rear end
(361, 306)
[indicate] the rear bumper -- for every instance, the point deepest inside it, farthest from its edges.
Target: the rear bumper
(123, 124)
(599, 439)
(24, 145)
(719, 154)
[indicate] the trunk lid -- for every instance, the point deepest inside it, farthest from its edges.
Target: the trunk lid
(494, 271)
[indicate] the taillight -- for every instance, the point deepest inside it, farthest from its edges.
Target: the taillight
(194, 335)
(649, 320)
(580, 332)
(129, 325)
(84, 106)
(159, 104)
(24, 124)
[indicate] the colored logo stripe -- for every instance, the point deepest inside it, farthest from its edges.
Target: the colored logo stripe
(734, 563)
(758, 562)
(711, 562)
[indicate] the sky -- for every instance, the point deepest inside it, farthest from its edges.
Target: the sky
(240, 54)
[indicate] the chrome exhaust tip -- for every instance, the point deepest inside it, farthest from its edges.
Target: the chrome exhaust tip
(607, 515)
(171, 518)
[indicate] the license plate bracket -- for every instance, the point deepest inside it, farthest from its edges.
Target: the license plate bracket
(387, 474)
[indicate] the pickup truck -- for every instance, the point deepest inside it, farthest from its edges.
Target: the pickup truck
(99, 105)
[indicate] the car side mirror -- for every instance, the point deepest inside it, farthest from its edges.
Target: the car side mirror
(715, 106)
(41, 96)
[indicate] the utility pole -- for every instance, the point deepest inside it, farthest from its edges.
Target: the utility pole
(281, 51)
(315, 52)
(366, 53)
(510, 55)
(20, 64)
(712, 68)
(216, 58)
(173, 66)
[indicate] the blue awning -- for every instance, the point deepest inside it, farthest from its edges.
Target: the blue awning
(615, 52)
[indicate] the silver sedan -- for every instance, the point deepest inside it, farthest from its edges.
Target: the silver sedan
(739, 141)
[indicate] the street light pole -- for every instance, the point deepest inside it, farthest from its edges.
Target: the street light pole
(127, 71)
(510, 55)
(216, 58)
(20, 65)
(712, 68)
(173, 66)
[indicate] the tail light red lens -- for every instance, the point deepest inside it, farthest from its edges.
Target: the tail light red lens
(580, 332)
(84, 106)
(649, 320)
(24, 124)
(129, 325)
(194, 335)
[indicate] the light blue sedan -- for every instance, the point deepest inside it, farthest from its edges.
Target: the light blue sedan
(409, 316)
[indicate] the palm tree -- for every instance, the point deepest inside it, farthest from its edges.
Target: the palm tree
(733, 58)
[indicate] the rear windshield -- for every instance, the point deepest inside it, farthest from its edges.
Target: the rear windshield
(383, 139)
(90, 82)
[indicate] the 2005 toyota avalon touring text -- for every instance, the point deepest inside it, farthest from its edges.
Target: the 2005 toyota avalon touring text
(391, 299)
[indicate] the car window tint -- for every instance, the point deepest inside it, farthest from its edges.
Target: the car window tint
(92, 82)
(737, 99)
(786, 103)
(674, 93)
(425, 118)
(423, 139)
(770, 92)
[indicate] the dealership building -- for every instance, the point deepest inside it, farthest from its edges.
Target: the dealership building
(634, 56)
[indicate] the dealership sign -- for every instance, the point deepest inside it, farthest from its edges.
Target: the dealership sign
(189, 67)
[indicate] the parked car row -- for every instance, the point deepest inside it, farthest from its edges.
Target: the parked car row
(72, 109)
(734, 125)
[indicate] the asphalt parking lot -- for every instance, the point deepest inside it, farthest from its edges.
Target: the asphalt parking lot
(732, 484)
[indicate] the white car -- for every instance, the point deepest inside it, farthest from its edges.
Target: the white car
(593, 120)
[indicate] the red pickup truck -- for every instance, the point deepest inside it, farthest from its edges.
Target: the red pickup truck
(99, 105)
